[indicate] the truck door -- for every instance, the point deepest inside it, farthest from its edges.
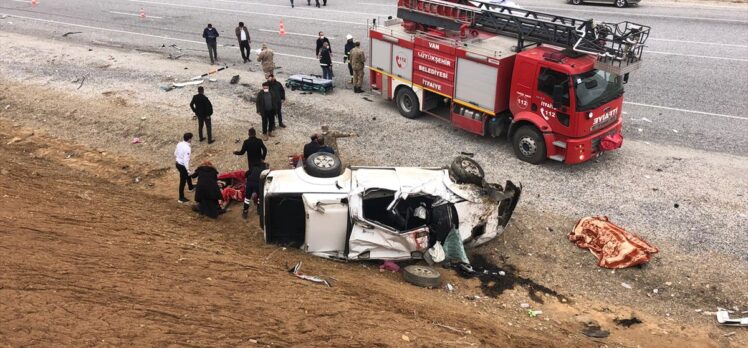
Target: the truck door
(553, 84)
(326, 222)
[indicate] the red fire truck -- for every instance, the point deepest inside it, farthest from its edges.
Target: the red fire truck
(553, 85)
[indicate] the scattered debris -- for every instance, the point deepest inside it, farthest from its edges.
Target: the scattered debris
(136, 180)
(209, 73)
(389, 266)
(449, 287)
(534, 313)
(610, 244)
(731, 333)
(422, 276)
(723, 317)
(626, 285)
(234, 79)
(627, 322)
(367, 99)
(595, 331)
(656, 291)
(136, 140)
(212, 79)
(675, 131)
(646, 120)
(405, 338)
(172, 86)
(676, 205)
(7, 107)
(524, 305)
(175, 57)
(296, 271)
(71, 33)
(13, 141)
(463, 332)
(81, 80)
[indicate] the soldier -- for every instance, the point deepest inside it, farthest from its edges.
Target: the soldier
(330, 138)
(266, 59)
(358, 61)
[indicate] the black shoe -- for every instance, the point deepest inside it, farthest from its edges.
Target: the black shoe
(192, 189)
(211, 141)
(202, 139)
(282, 125)
(183, 201)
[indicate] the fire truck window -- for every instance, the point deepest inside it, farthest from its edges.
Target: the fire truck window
(548, 79)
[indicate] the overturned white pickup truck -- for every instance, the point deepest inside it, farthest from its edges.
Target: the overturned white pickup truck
(382, 213)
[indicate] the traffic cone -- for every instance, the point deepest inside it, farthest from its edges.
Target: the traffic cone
(282, 31)
(142, 13)
(34, 2)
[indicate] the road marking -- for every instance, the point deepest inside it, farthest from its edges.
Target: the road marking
(265, 14)
(689, 111)
(150, 35)
(700, 42)
(698, 56)
(291, 33)
(643, 15)
(308, 8)
(134, 14)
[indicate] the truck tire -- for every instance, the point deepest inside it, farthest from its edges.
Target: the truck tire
(466, 170)
(423, 276)
(323, 165)
(621, 3)
(407, 103)
(529, 145)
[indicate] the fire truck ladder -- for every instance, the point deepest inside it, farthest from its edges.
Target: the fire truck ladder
(618, 46)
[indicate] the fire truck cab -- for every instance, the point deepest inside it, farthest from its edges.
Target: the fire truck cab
(550, 101)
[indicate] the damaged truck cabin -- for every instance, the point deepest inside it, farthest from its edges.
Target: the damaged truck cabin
(383, 213)
(552, 85)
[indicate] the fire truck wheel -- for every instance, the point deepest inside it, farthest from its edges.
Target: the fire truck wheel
(576, 2)
(465, 170)
(621, 3)
(529, 145)
(407, 103)
(323, 165)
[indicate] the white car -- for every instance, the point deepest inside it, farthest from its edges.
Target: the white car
(384, 213)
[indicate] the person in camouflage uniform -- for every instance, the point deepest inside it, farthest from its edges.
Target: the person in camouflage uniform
(266, 59)
(330, 138)
(358, 62)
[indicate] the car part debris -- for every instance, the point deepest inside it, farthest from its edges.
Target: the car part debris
(454, 250)
(435, 254)
(82, 79)
(626, 285)
(71, 33)
(463, 332)
(296, 271)
(723, 317)
(174, 57)
(423, 276)
(210, 73)
(234, 79)
(595, 331)
(389, 266)
(534, 313)
(627, 322)
(136, 140)
(212, 79)
(167, 88)
(466, 170)
(612, 245)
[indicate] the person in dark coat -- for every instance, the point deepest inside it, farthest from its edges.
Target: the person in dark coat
(210, 35)
(267, 108)
(280, 95)
(321, 41)
(312, 147)
(207, 191)
(203, 109)
(254, 148)
(242, 35)
(252, 187)
(325, 61)
(349, 45)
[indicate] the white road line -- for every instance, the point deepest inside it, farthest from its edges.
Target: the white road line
(247, 12)
(134, 14)
(698, 56)
(699, 42)
(291, 33)
(639, 14)
(689, 111)
(304, 8)
(148, 35)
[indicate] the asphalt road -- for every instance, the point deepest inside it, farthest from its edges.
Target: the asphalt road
(691, 92)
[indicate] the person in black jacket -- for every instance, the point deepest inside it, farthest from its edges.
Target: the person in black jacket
(252, 187)
(207, 192)
(203, 109)
(312, 147)
(210, 35)
(267, 108)
(254, 148)
(325, 61)
(280, 95)
(321, 41)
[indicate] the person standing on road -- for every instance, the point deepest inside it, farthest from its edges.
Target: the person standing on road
(182, 154)
(330, 137)
(316, 3)
(280, 95)
(203, 109)
(254, 148)
(358, 61)
(210, 35)
(321, 42)
(242, 34)
(325, 61)
(266, 59)
(266, 107)
(349, 45)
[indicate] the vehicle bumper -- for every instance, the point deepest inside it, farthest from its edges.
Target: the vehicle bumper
(580, 150)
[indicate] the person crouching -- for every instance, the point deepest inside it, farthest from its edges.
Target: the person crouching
(207, 192)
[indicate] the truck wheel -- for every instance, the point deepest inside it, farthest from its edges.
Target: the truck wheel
(424, 276)
(323, 165)
(529, 145)
(466, 170)
(621, 3)
(407, 103)
(576, 2)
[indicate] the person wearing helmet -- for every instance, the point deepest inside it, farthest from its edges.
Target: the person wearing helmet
(349, 45)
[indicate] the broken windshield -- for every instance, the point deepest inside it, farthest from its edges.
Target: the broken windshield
(595, 88)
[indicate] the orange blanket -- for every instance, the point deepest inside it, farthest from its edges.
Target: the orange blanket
(611, 244)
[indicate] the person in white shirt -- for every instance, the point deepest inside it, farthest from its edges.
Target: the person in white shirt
(242, 34)
(182, 154)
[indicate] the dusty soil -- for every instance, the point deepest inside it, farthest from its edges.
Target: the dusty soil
(96, 251)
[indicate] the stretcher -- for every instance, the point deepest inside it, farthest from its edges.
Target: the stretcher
(313, 83)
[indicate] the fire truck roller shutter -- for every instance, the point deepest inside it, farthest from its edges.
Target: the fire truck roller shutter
(381, 55)
(475, 83)
(402, 62)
